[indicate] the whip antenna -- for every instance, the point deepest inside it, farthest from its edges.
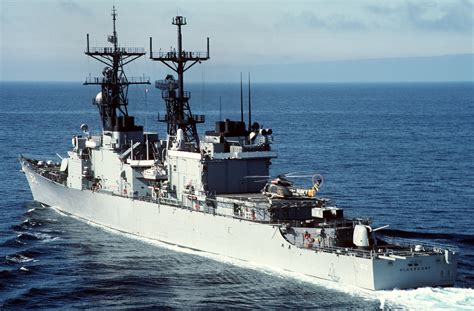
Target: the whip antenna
(241, 100)
(250, 107)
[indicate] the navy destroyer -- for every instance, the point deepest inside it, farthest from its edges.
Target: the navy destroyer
(207, 193)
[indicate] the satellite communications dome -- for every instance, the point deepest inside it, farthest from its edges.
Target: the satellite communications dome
(98, 99)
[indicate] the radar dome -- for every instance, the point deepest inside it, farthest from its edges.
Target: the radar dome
(98, 99)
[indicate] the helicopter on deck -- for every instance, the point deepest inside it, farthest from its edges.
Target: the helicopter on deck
(282, 187)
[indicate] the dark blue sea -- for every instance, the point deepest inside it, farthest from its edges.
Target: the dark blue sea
(402, 154)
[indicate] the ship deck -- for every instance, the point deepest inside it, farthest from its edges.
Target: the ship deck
(275, 202)
(244, 196)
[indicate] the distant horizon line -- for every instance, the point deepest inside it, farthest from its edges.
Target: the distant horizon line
(411, 69)
(263, 82)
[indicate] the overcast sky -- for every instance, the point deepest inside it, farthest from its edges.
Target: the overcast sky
(45, 40)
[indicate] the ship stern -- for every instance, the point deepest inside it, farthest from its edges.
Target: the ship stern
(415, 271)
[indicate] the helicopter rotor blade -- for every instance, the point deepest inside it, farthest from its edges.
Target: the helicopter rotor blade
(291, 174)
(299, 176)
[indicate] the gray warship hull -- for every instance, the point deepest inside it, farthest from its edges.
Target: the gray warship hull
(255, 242)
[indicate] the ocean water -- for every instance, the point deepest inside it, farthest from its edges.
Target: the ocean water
(402, 154)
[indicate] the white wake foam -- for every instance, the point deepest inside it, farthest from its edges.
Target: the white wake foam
(19, 258)
(429, 298)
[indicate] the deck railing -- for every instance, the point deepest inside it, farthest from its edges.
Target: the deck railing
(120, 80)
(184, 54)
(109, 50)
(420, 244)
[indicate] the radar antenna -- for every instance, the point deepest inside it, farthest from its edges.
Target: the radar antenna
(178, 112)
(112, 101)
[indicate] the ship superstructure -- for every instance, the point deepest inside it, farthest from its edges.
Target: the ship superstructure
(214, 193)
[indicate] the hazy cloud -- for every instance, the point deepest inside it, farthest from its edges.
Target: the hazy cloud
(71, 6)
(415, 15)
(334, 22)
(446, 16)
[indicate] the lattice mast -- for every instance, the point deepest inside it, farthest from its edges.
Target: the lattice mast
(178, 112)
(113, 101)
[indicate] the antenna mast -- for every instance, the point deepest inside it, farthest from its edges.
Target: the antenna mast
(241, 100)
(178, 112)
(113, 101)
(250, 108)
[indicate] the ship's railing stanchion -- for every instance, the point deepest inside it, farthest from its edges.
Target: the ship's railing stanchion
(436, 247)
